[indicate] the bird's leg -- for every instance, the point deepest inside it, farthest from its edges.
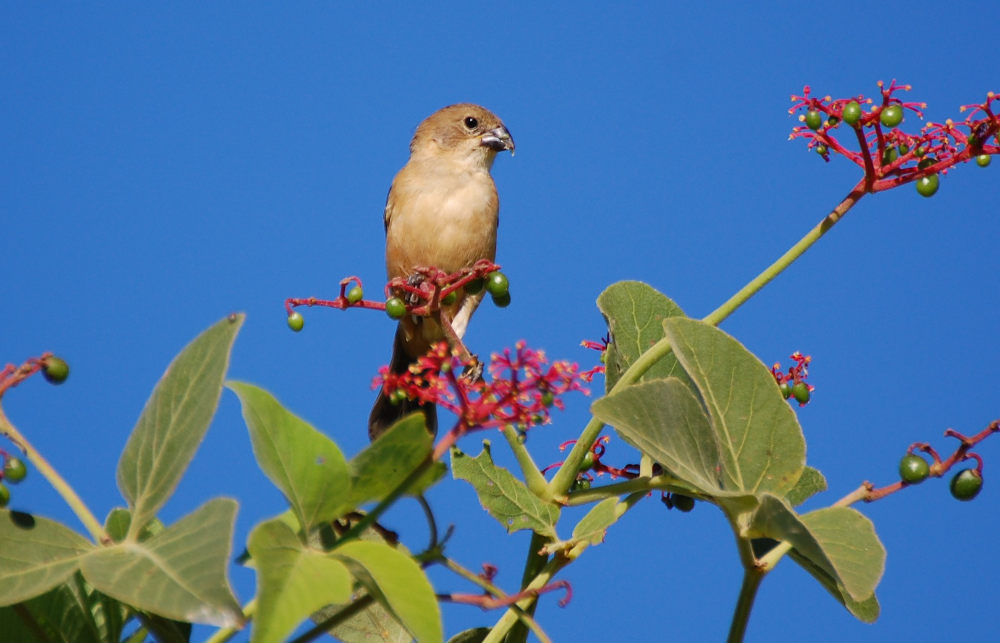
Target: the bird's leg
(473, 371)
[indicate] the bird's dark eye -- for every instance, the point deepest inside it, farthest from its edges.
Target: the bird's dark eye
(471, 122)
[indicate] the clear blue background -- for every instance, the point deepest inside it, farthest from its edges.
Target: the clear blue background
(163, 165)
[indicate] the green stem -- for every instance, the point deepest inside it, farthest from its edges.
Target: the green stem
(67, 492)
(224, 634)
(532, 567)
(748, 592)
(717, 316)
(373, 515)
(567, 473)
(511, 616)
(533, 477)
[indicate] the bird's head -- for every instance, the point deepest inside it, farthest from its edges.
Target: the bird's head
(462, 130)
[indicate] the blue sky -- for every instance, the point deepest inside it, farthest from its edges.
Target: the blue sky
(164, 165)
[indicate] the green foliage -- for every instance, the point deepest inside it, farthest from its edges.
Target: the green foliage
(174, 422)
(502, 495)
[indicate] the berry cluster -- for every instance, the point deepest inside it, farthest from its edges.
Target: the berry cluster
(521, 389)
(13, 472)
(889, 155)
(793, 384)
(914, 469)
(423, 294)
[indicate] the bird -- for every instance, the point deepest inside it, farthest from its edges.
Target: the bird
(442, 210)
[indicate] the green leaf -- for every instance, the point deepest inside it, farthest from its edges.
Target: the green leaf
(397, 579)
(305, 464)
(386, 462)
(37, 554)
(72, 612)
(502, 495)
(810, 483)
(593, 526)
(635, 313)
(866, 611)
(174, 422)
(475, 635)
(293, 580)
(372, 624)
(759, 437)
(180, 573)
(839, 541)
(664, 420)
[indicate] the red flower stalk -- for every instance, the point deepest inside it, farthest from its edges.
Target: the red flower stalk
(522, 390)
(422, 295)
(889, 155)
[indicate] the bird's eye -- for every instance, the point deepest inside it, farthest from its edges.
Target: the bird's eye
(471, 122)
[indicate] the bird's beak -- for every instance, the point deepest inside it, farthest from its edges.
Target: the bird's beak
(498, 140)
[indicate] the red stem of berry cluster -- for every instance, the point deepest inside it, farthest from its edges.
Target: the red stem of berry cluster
(945, 144)
(13, 375)
(488, 602)
(429, 289)
(869, 493)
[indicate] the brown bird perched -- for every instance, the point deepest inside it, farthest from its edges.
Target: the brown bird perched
(442, 212)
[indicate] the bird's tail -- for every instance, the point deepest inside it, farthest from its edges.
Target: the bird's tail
(384, 413)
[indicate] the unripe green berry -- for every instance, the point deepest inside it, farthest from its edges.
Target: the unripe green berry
(497, 284)
(913, 469)
(800, 391)
(681, 502)
(295, 321)
(4, 495)
(588, 461)
(822, 149)
(814, 120)
(14, 470)
(450, 298)
(966, 484)
(891, 116)
(928, 185)
(474, 286)
(786, 390)
(852, 113)
(355, 294)
(55, 370)
(548, 399)
(501, 301)
(983, 160)
(395, 308)
(581, 484)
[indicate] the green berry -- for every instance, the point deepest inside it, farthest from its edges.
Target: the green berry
(588, 461)
(786, 390)
(904, 148)
(295, 321)
(913, 469)
(832, 121)
(889, 155)
(501, 301)
(355, 294)
(682, 503)
(581, 484)
(891, 116)
(394, 307)
(920, 151)
(966, 484)
(800, 391)
(983, 160)
(548, 399)
(14, 470)
(852, 113)
(450, 298)
(814, 120)
(821, 149)
(926, 162)
(55, 370)
(474, 286)
(497, 284)
(4, 495)
(928, 185)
